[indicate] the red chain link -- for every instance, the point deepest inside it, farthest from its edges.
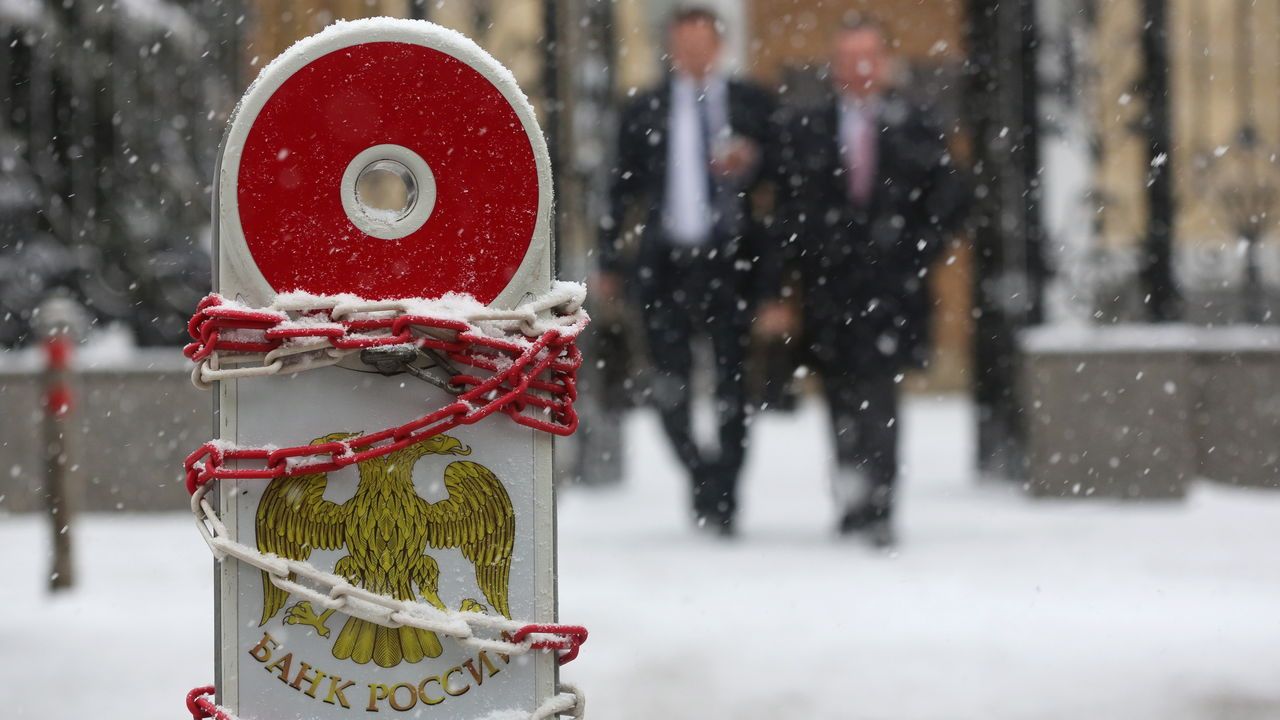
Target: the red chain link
(538, 375)
(200, 703)
(568, 641)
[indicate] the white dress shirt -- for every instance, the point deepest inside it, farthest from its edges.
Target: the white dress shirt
(688, 217)
(859, 134)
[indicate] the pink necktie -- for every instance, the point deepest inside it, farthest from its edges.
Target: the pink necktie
(862, 160)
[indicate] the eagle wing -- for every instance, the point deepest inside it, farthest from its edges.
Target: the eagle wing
(294, 519)
(477, 518)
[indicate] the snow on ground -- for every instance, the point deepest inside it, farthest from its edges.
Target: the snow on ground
(995, 607)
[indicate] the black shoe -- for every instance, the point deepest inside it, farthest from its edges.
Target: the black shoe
(716, 523)
(713, 503)
(717, 512)
(856, 520)
(725, 527)
(699, 504)
(870, 522)
(880, 533)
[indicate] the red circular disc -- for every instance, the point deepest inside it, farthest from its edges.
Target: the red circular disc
(322, 116)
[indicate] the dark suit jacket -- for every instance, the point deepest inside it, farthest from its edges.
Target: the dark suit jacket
(638, 187)
(866, 299)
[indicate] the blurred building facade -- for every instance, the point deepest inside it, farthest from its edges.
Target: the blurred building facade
(1221, 65)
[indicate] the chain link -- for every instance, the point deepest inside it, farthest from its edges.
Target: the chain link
(569, 701)
(333, 592)
(531, 379)
(302, 332)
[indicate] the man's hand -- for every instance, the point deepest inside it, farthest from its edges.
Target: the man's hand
(735, 157)
(776, 318)
(606, 286)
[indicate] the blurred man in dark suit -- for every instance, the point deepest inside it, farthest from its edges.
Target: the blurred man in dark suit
(689, 157)
(872, 194)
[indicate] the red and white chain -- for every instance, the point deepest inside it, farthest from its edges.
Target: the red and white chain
(333, 592)
(520, 362)
(569, 701)
(299, 332)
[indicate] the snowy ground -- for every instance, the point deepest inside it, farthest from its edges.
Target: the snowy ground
(996, 607)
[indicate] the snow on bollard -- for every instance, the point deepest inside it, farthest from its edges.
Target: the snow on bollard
(390, 359)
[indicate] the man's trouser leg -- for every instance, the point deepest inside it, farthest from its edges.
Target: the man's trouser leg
(729, 327)
(864, 420)
(668, 328)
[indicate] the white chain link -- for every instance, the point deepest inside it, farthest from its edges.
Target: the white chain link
(333, 592)
(380, 609)
(570, 701)
(532, 318)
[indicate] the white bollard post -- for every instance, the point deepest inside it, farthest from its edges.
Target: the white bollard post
(391, 359)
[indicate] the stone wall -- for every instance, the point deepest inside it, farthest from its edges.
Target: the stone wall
(134, 421)
(1140, 411)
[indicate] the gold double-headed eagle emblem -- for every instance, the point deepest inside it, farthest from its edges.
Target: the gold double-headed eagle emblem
(386, 529)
